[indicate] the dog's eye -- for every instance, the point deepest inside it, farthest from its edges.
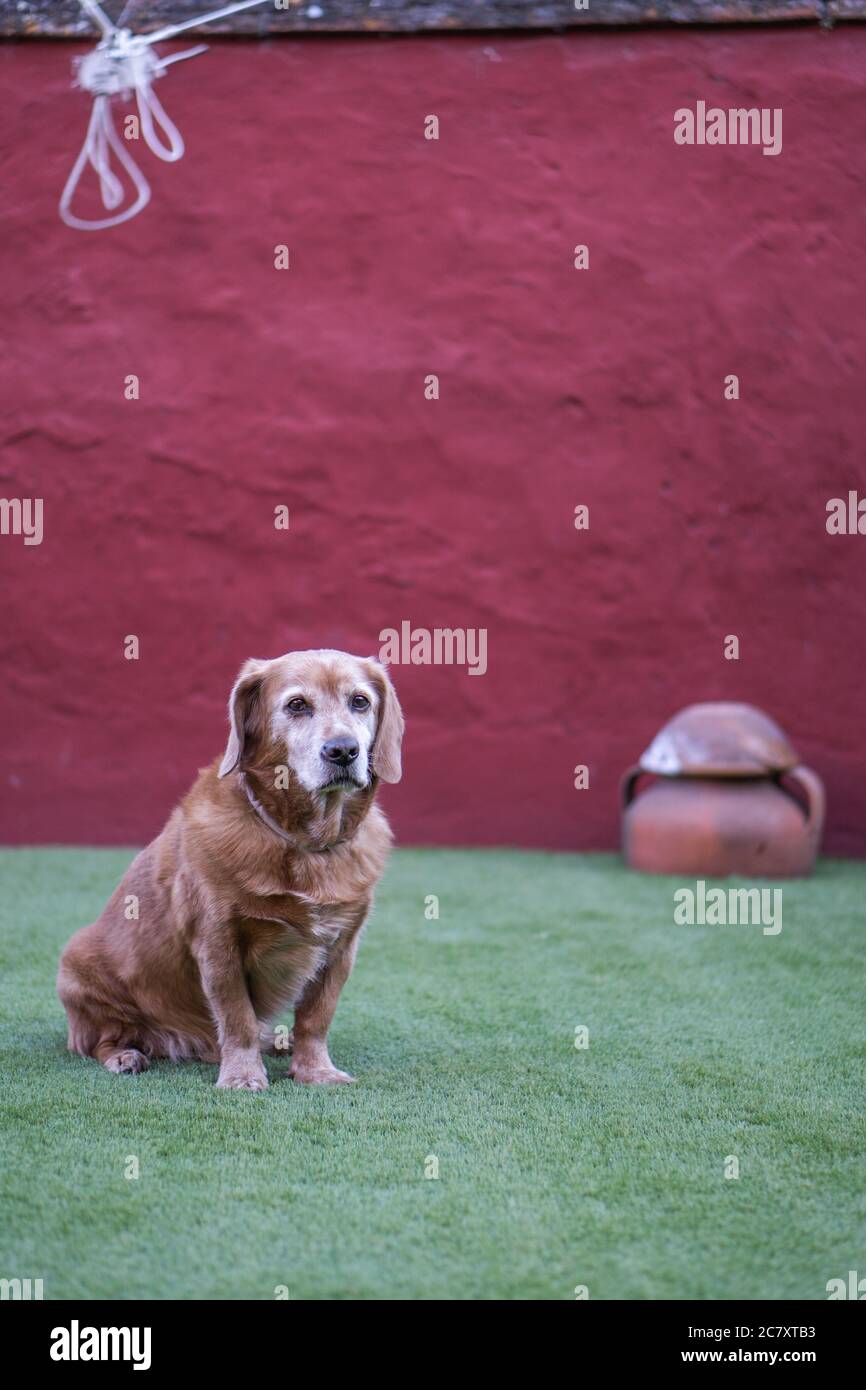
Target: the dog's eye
(360, 702)
(297, 705)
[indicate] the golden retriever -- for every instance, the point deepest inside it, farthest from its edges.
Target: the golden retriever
(252, 898)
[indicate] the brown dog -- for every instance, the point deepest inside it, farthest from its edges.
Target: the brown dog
(252, 899)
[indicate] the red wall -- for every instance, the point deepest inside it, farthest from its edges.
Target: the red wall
(557, 387)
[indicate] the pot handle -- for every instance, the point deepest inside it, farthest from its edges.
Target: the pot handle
(814, 788)
(628, 784)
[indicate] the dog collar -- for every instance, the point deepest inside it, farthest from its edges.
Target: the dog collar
(275, 826)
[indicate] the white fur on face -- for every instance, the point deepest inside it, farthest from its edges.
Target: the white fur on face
(329, 714)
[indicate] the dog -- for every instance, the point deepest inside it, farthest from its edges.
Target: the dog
(252, 899)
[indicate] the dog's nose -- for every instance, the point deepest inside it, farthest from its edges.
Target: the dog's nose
(340, 750)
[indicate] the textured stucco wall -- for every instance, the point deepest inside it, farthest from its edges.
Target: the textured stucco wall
(558, 387)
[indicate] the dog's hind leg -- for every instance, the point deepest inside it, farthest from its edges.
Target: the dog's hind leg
(110, 1044)
(126, 1061)
(94, 1028)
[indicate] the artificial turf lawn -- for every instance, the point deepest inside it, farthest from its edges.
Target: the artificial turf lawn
(558, 1167)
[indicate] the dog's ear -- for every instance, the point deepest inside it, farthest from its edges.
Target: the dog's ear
(389, 731)
(245, 713)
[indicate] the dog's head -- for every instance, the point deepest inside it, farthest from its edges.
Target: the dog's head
(332, 719)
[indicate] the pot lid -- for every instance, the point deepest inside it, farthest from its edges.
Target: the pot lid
(719, 739)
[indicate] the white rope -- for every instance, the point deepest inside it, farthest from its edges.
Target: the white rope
(171, 29)
(100, 135)
(98, 15)
(149, 105)
(123, 63)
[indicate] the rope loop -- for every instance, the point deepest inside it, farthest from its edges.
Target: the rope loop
(122, 64)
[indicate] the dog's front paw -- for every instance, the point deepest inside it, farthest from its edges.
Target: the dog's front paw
(317, 1075)
(242, 1076)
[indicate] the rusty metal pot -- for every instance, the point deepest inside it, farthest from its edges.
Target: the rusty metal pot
(724, 801)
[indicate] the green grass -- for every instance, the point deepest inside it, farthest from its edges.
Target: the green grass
(557, 1166)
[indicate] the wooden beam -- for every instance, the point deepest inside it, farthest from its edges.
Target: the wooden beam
(65, 18)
